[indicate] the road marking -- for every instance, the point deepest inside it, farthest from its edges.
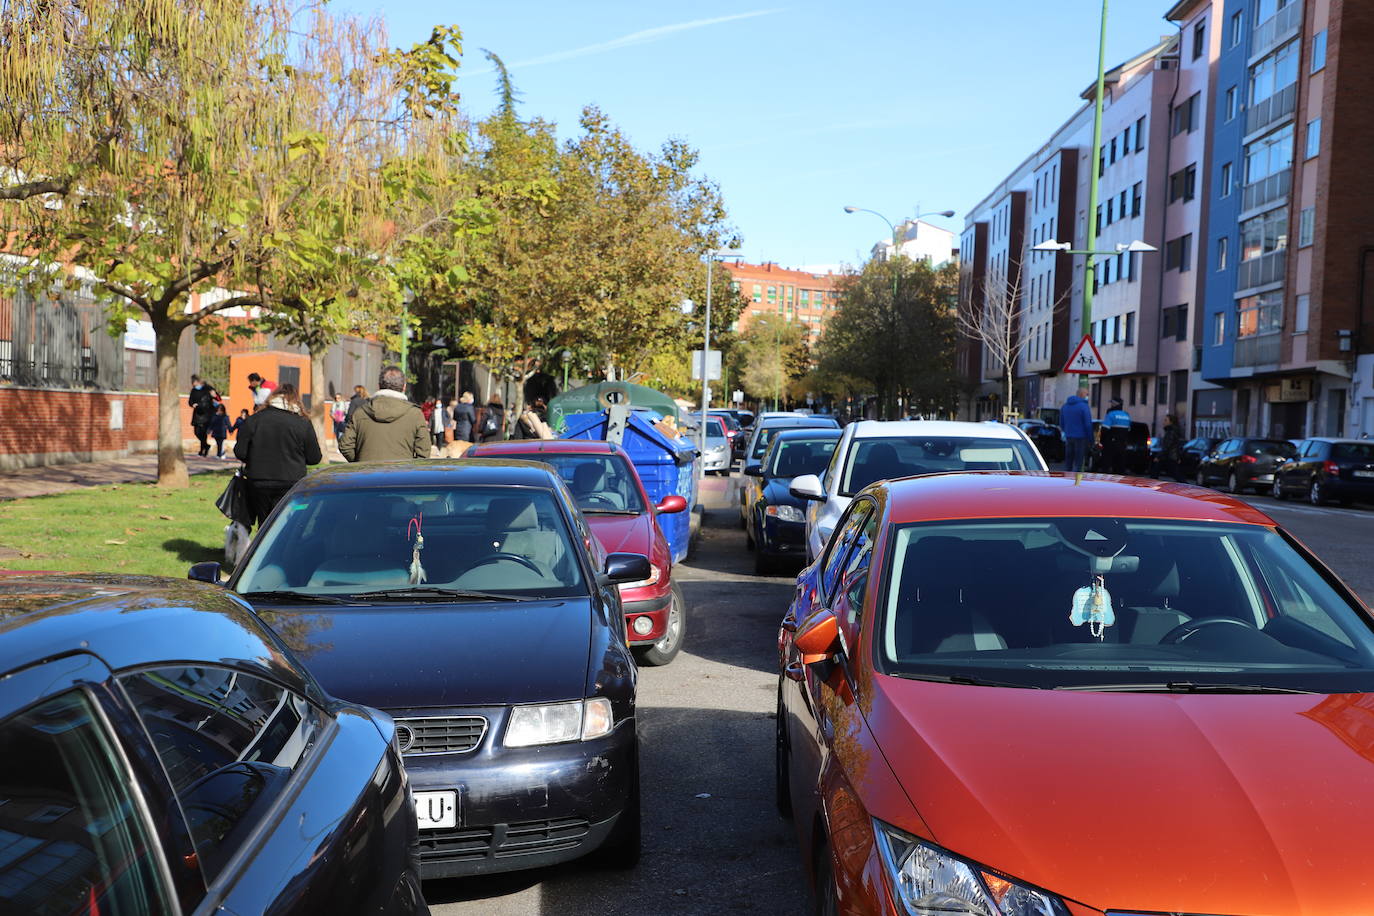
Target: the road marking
(1270, 504)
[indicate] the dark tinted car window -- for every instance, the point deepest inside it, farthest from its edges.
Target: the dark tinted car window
(1278, 447)
(1352, 451)
(793, 458)
(599, 483)
(904, 456)
(229, 743)
(71, 840)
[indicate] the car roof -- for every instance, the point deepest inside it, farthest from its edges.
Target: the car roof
(796, 420)
(1338, 441)
(133, 621)
(810, 432)
(872, 429)
(1042, 494)
(508, 472)
(556, 446)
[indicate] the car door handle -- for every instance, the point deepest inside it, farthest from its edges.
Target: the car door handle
(795, 671)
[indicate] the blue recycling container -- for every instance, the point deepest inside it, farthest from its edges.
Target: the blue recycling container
(666, 465)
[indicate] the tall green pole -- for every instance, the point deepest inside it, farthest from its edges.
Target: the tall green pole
(1090, 271)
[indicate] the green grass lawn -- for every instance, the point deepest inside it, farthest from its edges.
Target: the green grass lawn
(125, 528)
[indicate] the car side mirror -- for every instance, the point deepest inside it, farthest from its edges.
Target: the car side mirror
(670, 504)
(627, 567)
(807, 486)
(753, 470)
(204, 572)
(818, 637)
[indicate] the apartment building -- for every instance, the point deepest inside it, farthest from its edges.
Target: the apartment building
(797, 295)
(920, 241)
(1287, 325)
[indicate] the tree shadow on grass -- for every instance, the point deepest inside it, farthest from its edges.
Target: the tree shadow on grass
(189, 551)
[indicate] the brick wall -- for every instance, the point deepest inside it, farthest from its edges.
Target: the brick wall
(40, 427)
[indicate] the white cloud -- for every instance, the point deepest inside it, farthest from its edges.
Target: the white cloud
(643, 36)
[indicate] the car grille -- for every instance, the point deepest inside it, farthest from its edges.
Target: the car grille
(440, 734)
(503, 841)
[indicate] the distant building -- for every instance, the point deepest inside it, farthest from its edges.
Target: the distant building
(920, 241)
(796, 295)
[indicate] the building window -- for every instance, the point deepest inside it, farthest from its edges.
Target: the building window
(1314, 137)
(1178, 253)
(1110, 204)
(1304, 304)
(1218, 328)
(1130, 329)
(1183, 184)
(1199, 39)
(1223, 251)
(1264, 234)
(1185, 115)
(1126, 140)
(1162, 391)
(1140, 135)
(1231, 103)
(1137, 192)
(1227, 179)
(1262, 314)
(1237, 31)
(1319, 50)
(1274, 73)
(1307, 220)
(1111, 154)
(1121, 205)
(1269, 155)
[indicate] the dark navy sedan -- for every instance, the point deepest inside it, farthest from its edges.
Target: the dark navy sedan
(470, 600)
(163, 752)
(775, 520)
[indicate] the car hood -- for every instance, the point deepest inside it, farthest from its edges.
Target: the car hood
(623, 533)
(1241, 804)
(398, 656)
(775, 493)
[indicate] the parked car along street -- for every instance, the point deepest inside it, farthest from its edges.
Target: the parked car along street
(1048, 438)
(947, 738)
(470, 600)
(873, 450)
(1242, 464)
(611, 496)
(165, 752)
(775, 520)
(1327, 469)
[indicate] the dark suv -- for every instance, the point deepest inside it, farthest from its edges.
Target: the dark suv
(1242, 464)
(1326, 469)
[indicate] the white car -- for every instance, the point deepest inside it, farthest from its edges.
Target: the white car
(873, 450)
(716, 459)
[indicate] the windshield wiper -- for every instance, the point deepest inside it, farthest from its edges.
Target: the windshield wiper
(431, 592)
(1183, 687)
(610, 511)
(288, 595)
(966, 679)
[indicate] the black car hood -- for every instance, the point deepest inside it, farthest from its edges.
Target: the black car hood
(401, 656)
(775, 493)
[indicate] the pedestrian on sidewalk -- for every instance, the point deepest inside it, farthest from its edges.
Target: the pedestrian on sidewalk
(387, 426)
(531, 424)
(219, 429)
(464, 418)
(1116, 428)
(276, 445)
(439, 422)
(491, 422)
(339, 414)
(261, 388)
(1076, 420)
(359, 397)
(1171, 448)
(238, 424)
(203, 401)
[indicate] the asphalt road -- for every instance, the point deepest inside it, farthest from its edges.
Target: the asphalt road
(706, 725)
(706, 729)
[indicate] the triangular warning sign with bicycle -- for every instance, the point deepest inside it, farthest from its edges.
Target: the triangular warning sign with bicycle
(1086, 360)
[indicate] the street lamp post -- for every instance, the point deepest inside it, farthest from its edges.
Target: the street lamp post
(711, 258)
(1090, 269)
(566, 356)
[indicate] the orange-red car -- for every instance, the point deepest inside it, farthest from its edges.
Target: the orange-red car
(1030, 695)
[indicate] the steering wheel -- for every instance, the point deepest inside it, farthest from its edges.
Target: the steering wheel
(592, 499)
(1189, 627)
(515, 557)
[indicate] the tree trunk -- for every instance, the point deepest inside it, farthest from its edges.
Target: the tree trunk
(1007, 409)
(317, 389)
(171, 454)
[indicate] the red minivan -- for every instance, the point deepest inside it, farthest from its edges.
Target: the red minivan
(618, 511)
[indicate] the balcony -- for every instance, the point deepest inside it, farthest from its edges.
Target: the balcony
(1267, 190)
(1278, 106)
(1275, 30)
(1259, 350)
(1263, 270)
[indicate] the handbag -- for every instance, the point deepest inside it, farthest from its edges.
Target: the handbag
(233, 502)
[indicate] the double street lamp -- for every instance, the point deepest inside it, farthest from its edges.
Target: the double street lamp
(1090, 274)
(711, 258)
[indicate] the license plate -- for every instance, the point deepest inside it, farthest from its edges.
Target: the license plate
(434, 810)
(1364, 473)
(1264, 478)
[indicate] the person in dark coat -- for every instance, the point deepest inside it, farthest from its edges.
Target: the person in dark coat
(276, 445)
(358, 400)
(464, 418)
(202, 401)
(387, 427)
(1076, 420)
(219, 429)
(1171, 448)
(491, 424)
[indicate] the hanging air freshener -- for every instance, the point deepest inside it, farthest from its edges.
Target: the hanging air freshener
(1092, 604)
(417, 572)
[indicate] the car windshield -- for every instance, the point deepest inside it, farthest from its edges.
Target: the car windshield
(904, 456)
(599, 483)
(767, 434)
(715, 429)
(1086, 602)
(729, 421)
(794, 457)
(1352, 451)
(1270, 447)
(511, 541)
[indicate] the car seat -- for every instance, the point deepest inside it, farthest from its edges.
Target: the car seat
(514, 527)
(589, 487)
(935, 609)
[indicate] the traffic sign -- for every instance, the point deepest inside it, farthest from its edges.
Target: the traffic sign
(1086, 360)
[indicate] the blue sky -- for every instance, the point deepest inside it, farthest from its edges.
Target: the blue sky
(801, 108)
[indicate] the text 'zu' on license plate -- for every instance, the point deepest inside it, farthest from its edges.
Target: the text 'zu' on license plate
(434, 810)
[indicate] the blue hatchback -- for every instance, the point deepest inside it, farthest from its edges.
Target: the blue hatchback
(775, 520)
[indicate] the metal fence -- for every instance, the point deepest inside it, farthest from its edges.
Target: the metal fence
(57, 340)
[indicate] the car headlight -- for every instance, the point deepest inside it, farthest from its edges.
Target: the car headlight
(655, 576)
(557, 723)
(930, 881)
(785, 513)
